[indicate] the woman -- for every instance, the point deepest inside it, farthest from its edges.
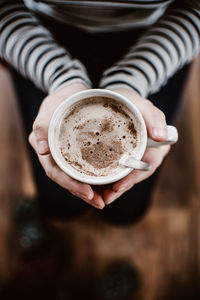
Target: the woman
(138, 48)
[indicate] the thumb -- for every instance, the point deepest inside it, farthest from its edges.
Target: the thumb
(156, 124)
(154, 119)
(40, 130)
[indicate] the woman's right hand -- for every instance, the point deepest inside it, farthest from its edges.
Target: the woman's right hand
(39, 141)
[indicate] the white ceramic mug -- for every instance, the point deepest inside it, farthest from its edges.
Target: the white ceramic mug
(129, 163)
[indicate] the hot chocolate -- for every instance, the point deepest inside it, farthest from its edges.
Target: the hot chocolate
(95, 133)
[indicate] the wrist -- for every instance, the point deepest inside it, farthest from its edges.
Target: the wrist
(65, 91)
(75, 85)
(127, 93)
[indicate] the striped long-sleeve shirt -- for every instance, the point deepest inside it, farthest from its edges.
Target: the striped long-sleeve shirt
(171, 40)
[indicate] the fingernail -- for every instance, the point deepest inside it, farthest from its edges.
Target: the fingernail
(121, 190)
(101, 206)
(158, 132)
(112, 198)
(43, 147)
(98, 206)
(110, 201)
(90, 196)
(86, 197)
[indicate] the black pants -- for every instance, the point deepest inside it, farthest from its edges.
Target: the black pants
(97, 52)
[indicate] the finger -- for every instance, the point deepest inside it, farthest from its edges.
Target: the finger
(154, 118)
(40, 129)
(155, 121)
(81, 190)
(97, 201)
(98, 196)
(110, 195)
(41, 124)
(47, 108)
(153, 156)
(32, 140)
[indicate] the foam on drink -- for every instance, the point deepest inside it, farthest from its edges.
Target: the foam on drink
(95, 133)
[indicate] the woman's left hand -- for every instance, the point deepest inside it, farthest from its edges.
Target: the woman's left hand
(157, 130)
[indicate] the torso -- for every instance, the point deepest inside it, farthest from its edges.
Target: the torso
(101, 16)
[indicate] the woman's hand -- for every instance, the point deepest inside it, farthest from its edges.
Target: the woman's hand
(39, 141)
(157, 130)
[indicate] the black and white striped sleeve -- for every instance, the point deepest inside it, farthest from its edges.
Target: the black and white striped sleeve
(31, 49)
(167, 46)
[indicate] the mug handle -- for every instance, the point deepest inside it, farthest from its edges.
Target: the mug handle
(133, 163)
(172, 138)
